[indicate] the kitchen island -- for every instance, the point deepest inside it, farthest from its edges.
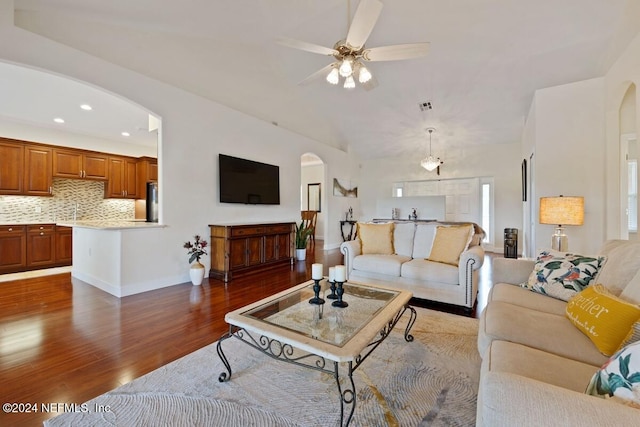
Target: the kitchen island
(105, 254)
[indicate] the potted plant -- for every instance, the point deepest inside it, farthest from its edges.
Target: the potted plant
(195, 251)
(302, 237)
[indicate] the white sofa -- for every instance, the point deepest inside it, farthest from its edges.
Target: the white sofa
(409, 269)
(536, 365)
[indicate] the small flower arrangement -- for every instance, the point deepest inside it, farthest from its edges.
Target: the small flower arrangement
(197, 249)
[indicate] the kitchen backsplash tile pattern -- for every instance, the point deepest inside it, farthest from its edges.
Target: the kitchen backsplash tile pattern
(84, 198)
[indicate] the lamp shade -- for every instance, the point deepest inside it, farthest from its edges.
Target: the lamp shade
(562, 210)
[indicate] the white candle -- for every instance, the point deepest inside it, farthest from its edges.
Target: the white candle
(332, 274)
(316, 271)
(341, 273)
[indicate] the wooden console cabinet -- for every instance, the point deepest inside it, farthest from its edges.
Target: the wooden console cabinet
(246, 248)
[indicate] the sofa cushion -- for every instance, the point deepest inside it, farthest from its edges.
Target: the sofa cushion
(449, 242)
(504, 356)
(376, 238)
(602, 317)
(424, 270)
(631, 291)
(403, 234)
(544, 331)
(623, 262)
(619, 378)
(423, 240)
(388, 265)
(562, 275)
(523, 297)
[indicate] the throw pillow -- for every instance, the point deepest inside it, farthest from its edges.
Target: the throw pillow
(603, 317)
(449, 242)
(376, 238)
(562, 275)
(619, 377)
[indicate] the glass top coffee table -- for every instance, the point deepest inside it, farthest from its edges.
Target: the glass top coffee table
(287, 327)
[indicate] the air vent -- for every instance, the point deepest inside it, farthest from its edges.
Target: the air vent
(424, 106)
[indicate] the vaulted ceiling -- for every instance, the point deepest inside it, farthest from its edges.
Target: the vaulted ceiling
(486, 59)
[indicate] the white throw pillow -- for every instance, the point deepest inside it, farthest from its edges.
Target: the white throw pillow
(403, 234)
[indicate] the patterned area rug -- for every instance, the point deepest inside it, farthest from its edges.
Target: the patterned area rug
(432, 381)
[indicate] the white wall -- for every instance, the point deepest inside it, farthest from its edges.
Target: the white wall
(500, 161)
(194, 130)
(569, 153)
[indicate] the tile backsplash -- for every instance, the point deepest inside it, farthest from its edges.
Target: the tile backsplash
(84, 197)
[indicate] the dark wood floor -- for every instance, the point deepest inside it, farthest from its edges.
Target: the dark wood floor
(63, 341)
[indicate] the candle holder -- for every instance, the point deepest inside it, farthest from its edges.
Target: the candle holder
(339, 293)
(332, 286)
(316, 290)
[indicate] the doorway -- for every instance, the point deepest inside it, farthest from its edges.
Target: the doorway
(313, 191)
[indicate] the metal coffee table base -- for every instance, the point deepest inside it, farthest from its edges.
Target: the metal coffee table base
(285, 352)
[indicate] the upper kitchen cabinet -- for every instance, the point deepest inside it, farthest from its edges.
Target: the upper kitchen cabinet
(122, 183)
(147, 172)
(37, 171)
(80, 164)
(25, 170)
(11, 167)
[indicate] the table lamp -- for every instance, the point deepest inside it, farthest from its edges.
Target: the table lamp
(561, 211)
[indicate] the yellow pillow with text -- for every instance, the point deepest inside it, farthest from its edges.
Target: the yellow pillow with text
(376, 238)
(603, 317)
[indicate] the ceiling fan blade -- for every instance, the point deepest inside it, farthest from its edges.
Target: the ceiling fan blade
(363, 22)
(309, 47)
(320, 73)
(396, 52)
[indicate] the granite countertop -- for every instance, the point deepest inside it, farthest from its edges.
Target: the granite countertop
(111, 224)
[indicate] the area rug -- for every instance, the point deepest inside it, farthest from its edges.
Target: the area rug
(432, 381)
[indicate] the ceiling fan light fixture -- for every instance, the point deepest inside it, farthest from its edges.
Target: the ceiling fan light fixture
(346, 68)
(349, 83)
(364, 75)
(333, 77)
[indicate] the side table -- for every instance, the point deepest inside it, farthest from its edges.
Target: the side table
(351, 235)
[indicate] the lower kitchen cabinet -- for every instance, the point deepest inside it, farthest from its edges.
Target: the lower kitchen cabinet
(34, 246)
(13, 248)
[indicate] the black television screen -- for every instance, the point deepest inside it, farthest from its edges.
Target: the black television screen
(248, 182)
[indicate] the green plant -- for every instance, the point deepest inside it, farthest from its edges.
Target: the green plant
(302, 235)
(197, 249)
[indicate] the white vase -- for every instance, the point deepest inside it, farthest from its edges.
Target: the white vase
(196, 272)
(301, 254)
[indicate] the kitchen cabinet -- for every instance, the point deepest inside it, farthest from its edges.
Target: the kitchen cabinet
(13, 248)
(64, 240)
(11, 167)
(38, 179)
(246, 248)
(41, 245)
(79, 164)
(147, 171)
(122, 181)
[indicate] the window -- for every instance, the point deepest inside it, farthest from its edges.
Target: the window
(486, 210)
(397, 189)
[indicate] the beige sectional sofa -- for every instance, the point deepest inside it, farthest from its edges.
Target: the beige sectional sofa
(408, 267)
(536, 365)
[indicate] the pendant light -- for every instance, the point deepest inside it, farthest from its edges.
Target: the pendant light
(430, 163)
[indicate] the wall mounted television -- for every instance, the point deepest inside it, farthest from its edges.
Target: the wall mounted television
(249, 182)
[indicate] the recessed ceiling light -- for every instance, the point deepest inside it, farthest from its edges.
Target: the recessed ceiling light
(125, 134)
(86, 107)
(58, 120)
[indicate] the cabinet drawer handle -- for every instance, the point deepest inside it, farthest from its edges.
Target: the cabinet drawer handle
(42, 233)
(10, 229)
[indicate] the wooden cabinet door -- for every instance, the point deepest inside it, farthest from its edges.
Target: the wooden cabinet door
(270, 248)
(237, 253)
(13, 248)
(41, 247)
(11, 168)
(284, 246)
(115, 185)
(37, 171)
(67, 163)
(95, 166)
(130, 179)
(254, 253)
(64, 248)
(147, 171)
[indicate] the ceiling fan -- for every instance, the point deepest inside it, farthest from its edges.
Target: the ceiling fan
(350, 52)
